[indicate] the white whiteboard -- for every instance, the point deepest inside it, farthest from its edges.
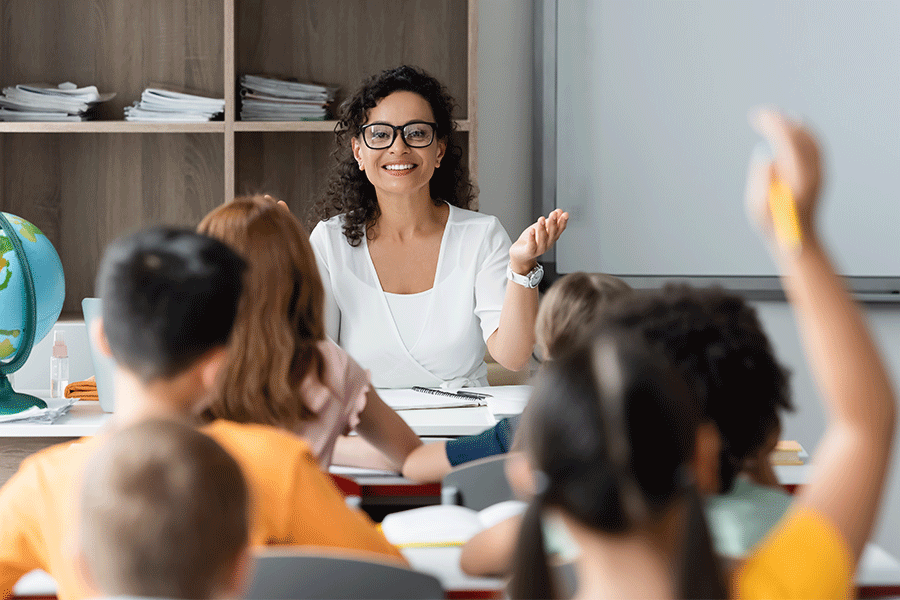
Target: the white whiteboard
(652, 138)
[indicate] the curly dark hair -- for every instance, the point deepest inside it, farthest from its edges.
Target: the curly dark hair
(349, 191)
(714, 338)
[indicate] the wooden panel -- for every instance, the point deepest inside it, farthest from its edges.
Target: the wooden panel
(342, 42)
(84, 191)
(119, 45)
(290, 166)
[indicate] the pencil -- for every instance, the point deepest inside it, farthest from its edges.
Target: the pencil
(784, 214)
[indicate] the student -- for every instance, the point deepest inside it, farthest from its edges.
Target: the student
(569, 305)
(169, 301)
(621, 487)
(281, 369)
(714, 339)
(163, 513)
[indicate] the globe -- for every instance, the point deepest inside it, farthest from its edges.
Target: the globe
(46, 294)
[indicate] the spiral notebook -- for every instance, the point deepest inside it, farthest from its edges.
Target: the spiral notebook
(422, 398)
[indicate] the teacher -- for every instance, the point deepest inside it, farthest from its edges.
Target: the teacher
(415, 282)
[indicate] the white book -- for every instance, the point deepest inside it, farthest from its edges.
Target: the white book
(25, 116)
(29, 100)
(288, 89)
(444, 524)
(88, 93)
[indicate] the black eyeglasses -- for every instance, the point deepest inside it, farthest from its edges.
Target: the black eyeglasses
(416, 134)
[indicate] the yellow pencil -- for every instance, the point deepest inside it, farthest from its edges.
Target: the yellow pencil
(784, 214)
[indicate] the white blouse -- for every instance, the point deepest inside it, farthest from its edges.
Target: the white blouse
(456, 319)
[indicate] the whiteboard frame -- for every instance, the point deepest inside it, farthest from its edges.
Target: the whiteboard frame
(865, 289)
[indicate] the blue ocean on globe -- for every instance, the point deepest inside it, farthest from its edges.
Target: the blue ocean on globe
(49, 285)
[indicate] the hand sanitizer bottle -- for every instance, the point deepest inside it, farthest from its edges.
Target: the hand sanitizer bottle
(59, 365)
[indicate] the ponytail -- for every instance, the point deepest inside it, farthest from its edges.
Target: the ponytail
(531, 573)
(699, 573)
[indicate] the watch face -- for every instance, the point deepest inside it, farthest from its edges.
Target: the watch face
(535, 276)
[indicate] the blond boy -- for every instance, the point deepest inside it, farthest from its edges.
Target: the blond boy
(163, 513)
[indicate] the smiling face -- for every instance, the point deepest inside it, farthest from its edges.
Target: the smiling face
(400, 169)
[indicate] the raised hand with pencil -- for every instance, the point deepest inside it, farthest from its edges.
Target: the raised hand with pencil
(783, 189)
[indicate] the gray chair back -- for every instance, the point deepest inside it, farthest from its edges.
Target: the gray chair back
(477, 484)
(293, 574)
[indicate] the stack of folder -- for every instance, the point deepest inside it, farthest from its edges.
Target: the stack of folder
(266, 98)
(47, 102)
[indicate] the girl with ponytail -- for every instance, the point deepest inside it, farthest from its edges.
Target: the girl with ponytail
(611, 437)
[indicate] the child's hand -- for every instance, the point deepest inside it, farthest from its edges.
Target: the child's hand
(537, 239)
(797, 163)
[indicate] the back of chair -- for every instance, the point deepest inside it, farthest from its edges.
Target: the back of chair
(477, 484)
(293, 574)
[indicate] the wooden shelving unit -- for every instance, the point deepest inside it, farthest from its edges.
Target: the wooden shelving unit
(112, 177)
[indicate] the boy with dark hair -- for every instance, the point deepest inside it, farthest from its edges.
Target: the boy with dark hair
(169, 301)
(715, 340)
(163, 513)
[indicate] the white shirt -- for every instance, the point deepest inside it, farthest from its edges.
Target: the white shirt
(460, 314)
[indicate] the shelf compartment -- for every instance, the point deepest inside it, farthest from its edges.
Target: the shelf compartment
(83, 191)
(121, 46)
(342, 42)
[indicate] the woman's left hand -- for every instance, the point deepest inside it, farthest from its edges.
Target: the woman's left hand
(536, 240)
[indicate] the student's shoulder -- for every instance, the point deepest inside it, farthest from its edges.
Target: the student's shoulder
(52, 466)
(258, 442)
(60, 456)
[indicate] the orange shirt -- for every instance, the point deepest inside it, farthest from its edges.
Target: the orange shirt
(804, 557)
(292, 502)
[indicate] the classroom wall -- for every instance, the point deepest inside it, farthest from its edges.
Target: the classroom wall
(505, 81)
(505, 50)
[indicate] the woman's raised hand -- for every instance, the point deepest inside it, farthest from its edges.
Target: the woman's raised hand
(537, 239)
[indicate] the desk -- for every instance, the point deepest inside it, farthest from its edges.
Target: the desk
(878, 575)
(86, 417)
(443, 563)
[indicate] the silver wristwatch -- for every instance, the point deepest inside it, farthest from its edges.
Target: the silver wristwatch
(529, 280)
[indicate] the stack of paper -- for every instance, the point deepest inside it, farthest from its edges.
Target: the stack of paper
(159, 104)
(39, 415)
(272, 99)
(46, 102)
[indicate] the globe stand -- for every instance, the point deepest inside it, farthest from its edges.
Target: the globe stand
(12, 402)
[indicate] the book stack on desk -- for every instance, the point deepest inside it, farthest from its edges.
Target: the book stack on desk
(787, 452)
(273, 99)
(47, 102)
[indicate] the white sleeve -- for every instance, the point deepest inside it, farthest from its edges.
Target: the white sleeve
(490, 278)
(321, 246)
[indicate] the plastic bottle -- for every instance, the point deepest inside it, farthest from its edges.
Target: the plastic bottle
(59, 365)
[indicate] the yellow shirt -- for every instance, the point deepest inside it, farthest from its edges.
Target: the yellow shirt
(292, 502)
(804, 557)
